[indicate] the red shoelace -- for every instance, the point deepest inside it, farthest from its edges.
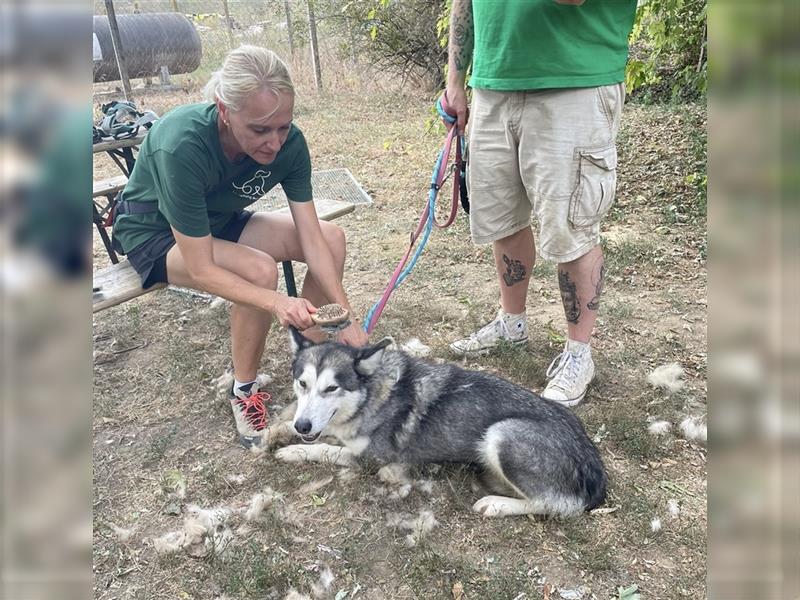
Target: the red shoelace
(255, 410)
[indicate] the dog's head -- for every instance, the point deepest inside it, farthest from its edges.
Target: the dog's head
(329, 381)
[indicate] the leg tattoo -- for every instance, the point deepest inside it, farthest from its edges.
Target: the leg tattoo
(569, 297)
(594, 303)
(515, 271)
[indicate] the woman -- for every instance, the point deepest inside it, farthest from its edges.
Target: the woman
(182, 219)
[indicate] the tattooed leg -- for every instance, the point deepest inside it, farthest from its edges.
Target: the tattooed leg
(581, 284)
(594, 303)
(515, 271)
(569, 297)
(514, 257)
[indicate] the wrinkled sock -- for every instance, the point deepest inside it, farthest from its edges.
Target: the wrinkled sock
(578, 348)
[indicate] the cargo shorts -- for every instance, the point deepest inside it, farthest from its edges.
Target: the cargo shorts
(547, 152)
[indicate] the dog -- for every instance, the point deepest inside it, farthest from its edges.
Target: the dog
(394, 410)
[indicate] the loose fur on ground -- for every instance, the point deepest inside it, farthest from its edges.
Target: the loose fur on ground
(668, 377)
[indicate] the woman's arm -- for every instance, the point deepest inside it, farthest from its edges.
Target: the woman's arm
(322, 266)
(198, 258)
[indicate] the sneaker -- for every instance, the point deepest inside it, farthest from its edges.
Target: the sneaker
(250, 413)
(570, 374)
(504, 329)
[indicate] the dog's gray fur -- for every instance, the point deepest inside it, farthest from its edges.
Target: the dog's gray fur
(391, 409)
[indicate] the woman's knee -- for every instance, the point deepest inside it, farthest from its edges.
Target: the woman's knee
(262, 271)
(336, 240)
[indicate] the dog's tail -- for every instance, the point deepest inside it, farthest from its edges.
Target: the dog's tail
(592, 481)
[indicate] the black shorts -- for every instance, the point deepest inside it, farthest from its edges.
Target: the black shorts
(150, 258)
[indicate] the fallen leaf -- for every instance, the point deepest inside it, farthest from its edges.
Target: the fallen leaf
(554, 335)
(604, 510)
(547, 590)
(630, 593)
(174, 483)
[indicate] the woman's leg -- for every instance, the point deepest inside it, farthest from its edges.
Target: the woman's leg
(276, 235)
(249, 326)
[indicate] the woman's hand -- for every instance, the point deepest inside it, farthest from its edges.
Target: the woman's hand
(353, 335)
(294, 311)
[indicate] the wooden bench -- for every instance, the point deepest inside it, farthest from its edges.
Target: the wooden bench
(108, 187)
(120, 282)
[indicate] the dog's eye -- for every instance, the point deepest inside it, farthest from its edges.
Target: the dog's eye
(302, 383)
(331, 388)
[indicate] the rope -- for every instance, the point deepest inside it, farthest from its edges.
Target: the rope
(428, 218)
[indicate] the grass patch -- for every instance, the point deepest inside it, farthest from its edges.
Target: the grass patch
(256, 571)
(518, 364)
(582, 544)
(628, 431)
(544, 269)
(158, 446)
(628, 253)
(618, 311)
(432, 572)
(211, 479)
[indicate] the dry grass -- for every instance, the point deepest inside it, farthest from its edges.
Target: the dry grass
(156, 410)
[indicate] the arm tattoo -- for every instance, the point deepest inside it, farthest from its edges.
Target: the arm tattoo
(594, 303)
(515, 271)
(462, 34)
(569, 297)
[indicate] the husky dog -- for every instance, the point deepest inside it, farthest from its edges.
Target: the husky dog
(391, 409)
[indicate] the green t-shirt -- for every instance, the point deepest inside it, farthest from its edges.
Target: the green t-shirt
(182, 168)
(539, 44)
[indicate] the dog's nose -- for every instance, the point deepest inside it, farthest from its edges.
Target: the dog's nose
(303, 426)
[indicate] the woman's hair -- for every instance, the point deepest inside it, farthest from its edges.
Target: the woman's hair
(248, 69)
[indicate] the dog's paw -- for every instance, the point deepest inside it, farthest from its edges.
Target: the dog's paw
(494, 506)
(278, 434)
(292, 454)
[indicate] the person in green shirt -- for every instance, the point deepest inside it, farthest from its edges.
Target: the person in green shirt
(547, 97)
(182, 216)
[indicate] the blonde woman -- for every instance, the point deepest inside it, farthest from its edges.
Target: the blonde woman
(182, 217)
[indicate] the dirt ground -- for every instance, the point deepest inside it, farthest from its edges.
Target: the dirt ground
(164, 435)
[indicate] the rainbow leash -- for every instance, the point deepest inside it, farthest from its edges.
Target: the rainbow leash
(428, 218)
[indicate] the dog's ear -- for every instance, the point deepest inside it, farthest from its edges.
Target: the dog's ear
(297, 341)
(369, 358)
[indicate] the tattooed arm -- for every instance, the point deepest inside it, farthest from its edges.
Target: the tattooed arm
(459, 57)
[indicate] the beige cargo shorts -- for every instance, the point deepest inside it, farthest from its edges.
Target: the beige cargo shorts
(550, 152)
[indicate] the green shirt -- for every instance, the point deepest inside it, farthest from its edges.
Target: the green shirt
(538, 44)
(182, 168)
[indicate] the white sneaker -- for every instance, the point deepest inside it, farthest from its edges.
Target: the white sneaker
(570, 374)
(250, 413)
(510, 329)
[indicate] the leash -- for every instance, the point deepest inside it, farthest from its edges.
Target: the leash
(428, 218)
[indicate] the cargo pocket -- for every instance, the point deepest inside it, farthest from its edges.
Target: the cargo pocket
(596, 187)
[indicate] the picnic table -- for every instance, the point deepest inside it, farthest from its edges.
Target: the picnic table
(104, 192)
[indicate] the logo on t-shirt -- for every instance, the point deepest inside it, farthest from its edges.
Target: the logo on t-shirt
(255, 187)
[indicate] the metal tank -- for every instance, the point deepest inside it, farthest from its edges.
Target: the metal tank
(149, 41)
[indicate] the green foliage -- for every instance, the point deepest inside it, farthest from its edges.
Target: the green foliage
(668, 49)
(401, 37)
